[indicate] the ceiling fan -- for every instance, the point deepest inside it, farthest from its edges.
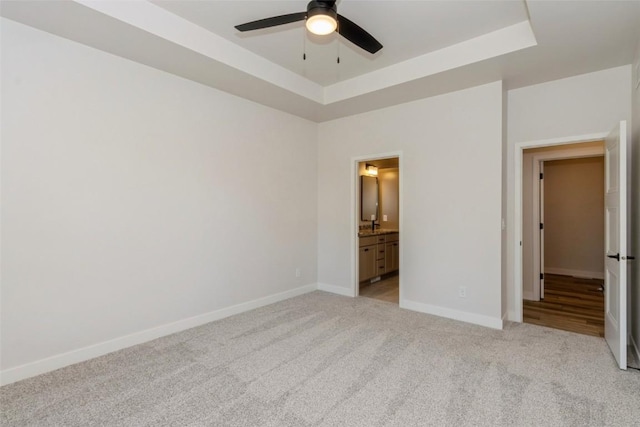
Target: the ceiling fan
(321, 18)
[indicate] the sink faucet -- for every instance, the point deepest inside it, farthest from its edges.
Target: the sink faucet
(373, 225)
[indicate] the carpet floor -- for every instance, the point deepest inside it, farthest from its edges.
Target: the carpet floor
(326, 360)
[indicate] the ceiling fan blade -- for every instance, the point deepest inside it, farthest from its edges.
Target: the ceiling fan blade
(272, 22)
(356, 35)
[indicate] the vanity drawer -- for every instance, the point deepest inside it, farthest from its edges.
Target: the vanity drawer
(380, 251)
(380, 239)
(394, 237)
(380, 267)
(369, 240)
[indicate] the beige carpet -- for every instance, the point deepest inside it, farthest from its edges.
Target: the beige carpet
(326, 360)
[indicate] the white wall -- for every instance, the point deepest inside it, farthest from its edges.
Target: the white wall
(634, 187)
(450, 203)
(132, 198)
(581, 105)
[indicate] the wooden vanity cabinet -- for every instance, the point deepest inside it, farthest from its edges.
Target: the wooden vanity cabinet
(368, 257)
(392, 252)
(378, 255)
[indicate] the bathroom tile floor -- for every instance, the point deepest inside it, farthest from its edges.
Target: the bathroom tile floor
(386, 289)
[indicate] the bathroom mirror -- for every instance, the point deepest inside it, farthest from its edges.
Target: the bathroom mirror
(368, 198)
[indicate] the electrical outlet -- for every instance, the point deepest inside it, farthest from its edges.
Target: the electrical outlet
(298, 272)
(462, 291)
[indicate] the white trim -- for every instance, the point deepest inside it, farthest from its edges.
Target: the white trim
(519, 147)
(58, 361)
(634, 348)
(336, 289)
(496, 43)
(505, 318)
(355, 222)
(476, 319)
(528, 295)
(159, 22)
(575, 273)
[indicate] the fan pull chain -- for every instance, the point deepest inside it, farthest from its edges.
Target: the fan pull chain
(337, 39)
(304, 44)
(337, 56)
(304, 52)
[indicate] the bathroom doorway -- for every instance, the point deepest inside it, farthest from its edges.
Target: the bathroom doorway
(378, 229)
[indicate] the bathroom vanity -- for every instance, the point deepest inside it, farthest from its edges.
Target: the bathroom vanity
(378, 253)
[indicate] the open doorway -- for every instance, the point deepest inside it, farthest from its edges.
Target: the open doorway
(378, 225)
(563, 268)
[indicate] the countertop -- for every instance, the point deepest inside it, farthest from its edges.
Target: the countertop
(378, 232)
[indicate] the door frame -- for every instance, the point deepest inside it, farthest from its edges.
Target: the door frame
(355, 222)
(519, 148)
(537, 159)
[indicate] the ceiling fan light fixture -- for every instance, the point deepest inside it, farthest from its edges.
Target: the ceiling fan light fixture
(321, 21)
(321, 18)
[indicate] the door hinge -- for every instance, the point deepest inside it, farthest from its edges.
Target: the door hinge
(541, 226)
(541, 276)
(541, 175)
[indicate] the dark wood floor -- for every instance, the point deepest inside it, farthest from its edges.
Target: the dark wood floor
(386, 289)
(570, 303)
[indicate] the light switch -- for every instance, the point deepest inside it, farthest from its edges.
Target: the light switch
(384, 217)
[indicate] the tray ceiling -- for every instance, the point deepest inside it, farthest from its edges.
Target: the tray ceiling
(430, 47)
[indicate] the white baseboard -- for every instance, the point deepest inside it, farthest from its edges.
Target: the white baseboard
(505, 319)
(575, 273)
(511, 317)
(476, 319)
(58, 361)
(336, 289)
(528, 295)
(634, 347)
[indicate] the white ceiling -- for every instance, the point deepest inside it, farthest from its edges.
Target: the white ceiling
(430, 47)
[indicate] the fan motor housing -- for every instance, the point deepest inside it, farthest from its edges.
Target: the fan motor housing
(322, 8)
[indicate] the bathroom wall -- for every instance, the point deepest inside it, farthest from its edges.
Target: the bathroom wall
(388, 196)
(389, 181)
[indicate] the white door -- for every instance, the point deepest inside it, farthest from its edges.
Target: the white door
(615, 281)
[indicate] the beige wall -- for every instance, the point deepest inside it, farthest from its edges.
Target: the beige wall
(388, 180)
(574, 216)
